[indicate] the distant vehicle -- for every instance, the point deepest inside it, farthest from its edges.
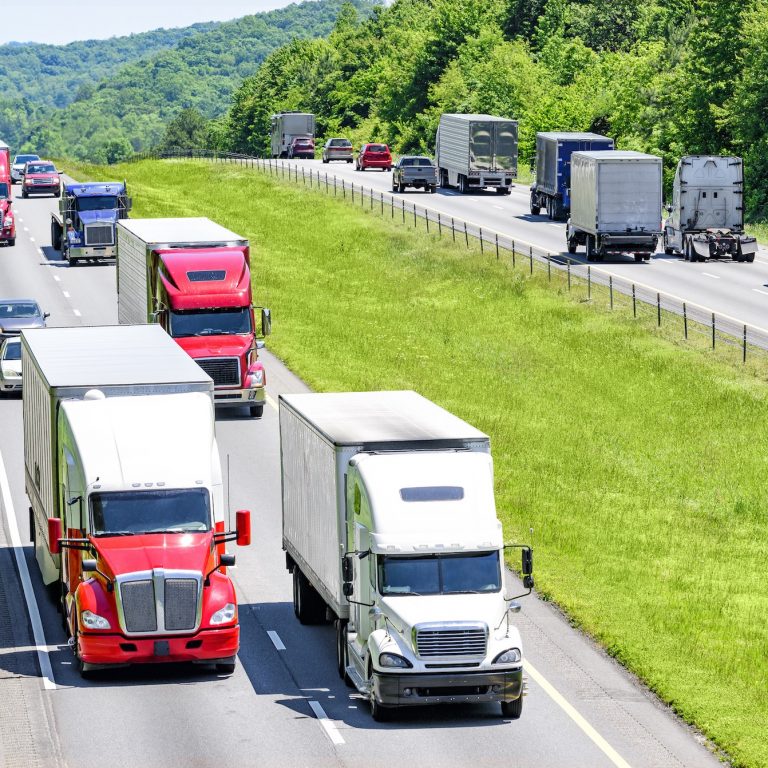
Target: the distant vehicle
(338, 149)
(302, 147)
(17, 167)
(706, 218)
(40, 178)
(476, 151)
(84, 225)
(17, 315)
(552, 188)
(10, 365)
(374, 156)
(414, 171)
(287, 126)
(615, 204)
(7, 219)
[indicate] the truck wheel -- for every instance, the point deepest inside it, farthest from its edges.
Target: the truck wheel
(307, 604)
(535, 209)
(750, 258)
(502, 191)
(379, 712)
(257, 411)
(24, 194)
(55, 236)
(226, 667)
(342, 656)
(572, 246)
(432, 189)
(590, 248)
(83, 669)
(32, 526)
(463, 186)
(512, 709)
(638, 257)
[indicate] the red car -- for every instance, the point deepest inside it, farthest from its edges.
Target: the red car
(374, 156)
(302, 147)
(40, 178)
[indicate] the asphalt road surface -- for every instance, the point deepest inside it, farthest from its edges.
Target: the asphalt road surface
(285, 704)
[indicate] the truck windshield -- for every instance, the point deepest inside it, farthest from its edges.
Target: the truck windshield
(210, 322)
(439, 574)
(97, 203)
(123, 513)
(4, 190)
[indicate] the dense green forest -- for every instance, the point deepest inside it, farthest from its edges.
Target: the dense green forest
(671, 77)
(118, 110)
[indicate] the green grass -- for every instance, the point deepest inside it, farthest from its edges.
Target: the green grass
(638, 462)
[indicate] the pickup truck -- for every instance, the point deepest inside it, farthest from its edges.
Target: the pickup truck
(414, 171)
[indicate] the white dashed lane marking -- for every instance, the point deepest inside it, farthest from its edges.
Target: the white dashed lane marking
(276, 641)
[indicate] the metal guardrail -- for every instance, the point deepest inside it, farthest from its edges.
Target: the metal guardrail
(695, 322)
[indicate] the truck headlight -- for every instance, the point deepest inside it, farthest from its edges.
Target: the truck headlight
(510, 656)
(92, 620)
(257, 377)
(224, 615)
(394, 661)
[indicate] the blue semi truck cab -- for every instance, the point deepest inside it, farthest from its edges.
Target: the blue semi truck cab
(84, 226)
(552, 188)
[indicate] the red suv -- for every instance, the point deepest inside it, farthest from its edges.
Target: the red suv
(374, 156)
(302, 147)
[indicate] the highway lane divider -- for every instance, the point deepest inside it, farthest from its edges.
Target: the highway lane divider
(693, 322)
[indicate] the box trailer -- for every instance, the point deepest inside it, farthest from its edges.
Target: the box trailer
(287, 126)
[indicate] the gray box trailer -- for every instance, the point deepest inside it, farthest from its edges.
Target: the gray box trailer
(706, 217)
(476, 151)
(286, 126)
(552, 188)
(65, 363)
(616, 202)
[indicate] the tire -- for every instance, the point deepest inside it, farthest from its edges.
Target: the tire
(12, 242)
(501, 191)
(32, 526)
(24, 194)
(257, 411)
(432, 189)
(512, 709)
(55, 236)
(572, 244)
(307, 604)
(590, 248)
(750, 258)
(549, 208)
(342, 655)
(443, 178)
(400, 187)
(379, 712)
(638, 257)
(349, 161)
(85, 672)
(226, 667)
(463, 186)
(535, 209)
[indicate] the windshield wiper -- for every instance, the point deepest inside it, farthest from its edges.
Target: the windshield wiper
(398, 594)
(115, 533)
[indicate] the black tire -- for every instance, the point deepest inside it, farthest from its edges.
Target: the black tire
(55, 236)
(12, 241)
(443, 178)
(502, 191)
(432, 189)
(85, 672)
(257, 411)
(512, 709)
(24, 194)
(226, 667)
(325, 161)
(307, 604)
(400, 187)
(379, 712)
(750, 258)
(572, 245)
(32, 526)
(349, 161)
(463, 186)
(590, 248)
(535, 209)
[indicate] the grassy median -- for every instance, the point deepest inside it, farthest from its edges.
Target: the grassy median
(636, 462)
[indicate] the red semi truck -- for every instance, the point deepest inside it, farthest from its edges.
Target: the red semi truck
(7, 219)
(193, 277)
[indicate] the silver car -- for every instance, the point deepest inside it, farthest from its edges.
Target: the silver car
(19, 314)
(10, 365)
(17, 166)
(338, 149)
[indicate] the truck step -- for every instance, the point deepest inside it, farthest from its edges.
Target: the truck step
(362, 685)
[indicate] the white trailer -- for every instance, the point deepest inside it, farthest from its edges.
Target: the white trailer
(616, 199)
(706, 217)
(287, 126)
(476, 151)
(62, 364)
(390, 530)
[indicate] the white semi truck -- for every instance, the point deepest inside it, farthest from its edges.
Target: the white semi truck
(706, 217)
(390, 530)
(127, 515)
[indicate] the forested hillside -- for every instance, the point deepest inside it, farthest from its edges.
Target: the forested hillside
(128, 108)
(670, 77)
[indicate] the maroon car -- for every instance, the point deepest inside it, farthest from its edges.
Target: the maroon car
(374, 156)
(302, 147)
(40, 178)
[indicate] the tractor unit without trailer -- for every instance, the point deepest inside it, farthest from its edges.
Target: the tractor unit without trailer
(476, 151)
(193, 277)
(552, 188)
(127, 518)
(706, 218)
(85, 225)
(390, 530)
(287, 126)
(615, 204)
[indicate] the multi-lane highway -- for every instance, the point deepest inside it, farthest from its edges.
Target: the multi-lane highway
(285, 705)
(736, 291)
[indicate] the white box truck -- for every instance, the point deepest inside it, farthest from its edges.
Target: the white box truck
(706, 217)
(616, 199)
(476, 151)
(390, 530)
(287, 126)
(127, 515)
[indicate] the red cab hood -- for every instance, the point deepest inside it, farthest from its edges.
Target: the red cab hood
(171, 551)
(234, 345)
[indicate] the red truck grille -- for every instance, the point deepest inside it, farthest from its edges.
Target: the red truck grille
(225, 371)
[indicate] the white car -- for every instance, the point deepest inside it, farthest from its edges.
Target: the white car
(10, 365)
(17, 166)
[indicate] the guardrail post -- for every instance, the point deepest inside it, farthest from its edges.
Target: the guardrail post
(610, 289)
(439, 225)
(549, 268)
(371, 199)
(466, 234)
(344, 188)
(713, 330)
(744, 347)
(634, 301)
(658, 308)
(414, 215)
(334, 185)
(482, 250)
(530, 256)
(381, 194)
(426, 218)
(685, 322)
(311, 174)
(513, 255)
(326, 182)
(569, 275)
(589, 283)
(453, 230)
(392, 207)
(497, 246)
(402, 208)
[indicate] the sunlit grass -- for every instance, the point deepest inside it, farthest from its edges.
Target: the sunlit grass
(638, 463)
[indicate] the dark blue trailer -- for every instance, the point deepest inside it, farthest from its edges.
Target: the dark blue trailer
(552, 188)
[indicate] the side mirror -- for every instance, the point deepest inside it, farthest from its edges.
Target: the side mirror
(668, 208)
(46, 315)
(374, 613)
(514, 607)
(527, 565)
(266, 322)
(54, 534)
(243, 518)
(90, 566)
(346, 568)
(260, 344)
(347, 589)
(128, 203)
(227, 559)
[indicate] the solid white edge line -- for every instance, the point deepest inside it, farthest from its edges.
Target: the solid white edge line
(569, 710)
(29, 594)
(276, 641)
(271, 402)
(328, 726)
(709, 274)
(757, 290)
